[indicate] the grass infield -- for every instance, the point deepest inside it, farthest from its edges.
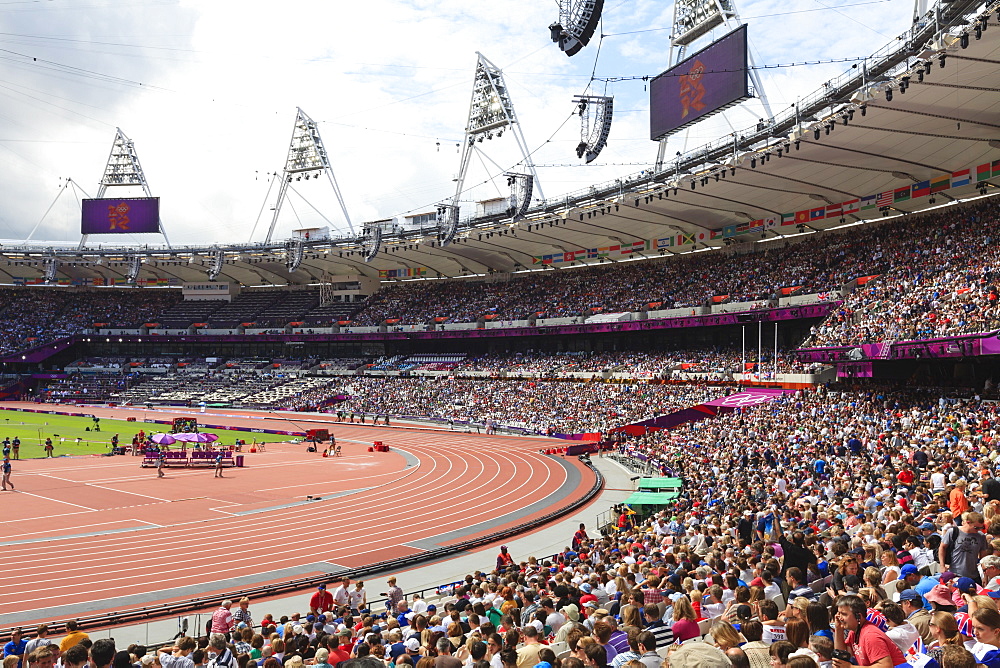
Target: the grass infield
(64, 430)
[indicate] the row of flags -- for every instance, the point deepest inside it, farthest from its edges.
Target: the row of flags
(593, 253)
(963, 177)
(409, 272)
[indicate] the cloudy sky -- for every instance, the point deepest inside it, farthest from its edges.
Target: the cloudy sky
(207, 89)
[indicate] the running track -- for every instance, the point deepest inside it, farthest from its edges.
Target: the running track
(96, 534)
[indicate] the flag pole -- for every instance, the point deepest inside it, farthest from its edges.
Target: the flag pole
(776, 350)
(760, 348)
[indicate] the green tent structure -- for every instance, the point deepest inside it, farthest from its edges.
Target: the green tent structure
(655, 499)
(660, 484)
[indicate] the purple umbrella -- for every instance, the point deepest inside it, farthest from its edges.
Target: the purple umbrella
(205, 438)
(186, 438)
(162, 439)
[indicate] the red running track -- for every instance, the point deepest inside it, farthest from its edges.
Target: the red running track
(95, 534)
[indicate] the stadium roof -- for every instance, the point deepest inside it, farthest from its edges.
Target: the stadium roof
(736, 190)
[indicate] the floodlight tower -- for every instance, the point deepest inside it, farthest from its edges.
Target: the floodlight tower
(307, 157)
(490, 113)
(123, 169)
(694, 19)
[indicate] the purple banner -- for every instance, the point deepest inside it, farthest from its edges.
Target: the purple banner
(709, 81)
(136, 215)
(750, 397)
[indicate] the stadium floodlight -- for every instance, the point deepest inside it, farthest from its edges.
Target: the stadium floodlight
(694, 18)
(447, 222)
(595, 124)
(123, 170)
(577, 24)
(491, 111)
(215, 261)
(294, 254)
(370, 241)
(307, 156)
(520, 195)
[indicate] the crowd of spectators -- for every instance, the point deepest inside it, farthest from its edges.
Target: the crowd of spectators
(33, 316)
(938, 278)
(538, 406)
(934, 276)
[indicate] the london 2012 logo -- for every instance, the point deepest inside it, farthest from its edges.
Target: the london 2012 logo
(745, 399)
(692, 89)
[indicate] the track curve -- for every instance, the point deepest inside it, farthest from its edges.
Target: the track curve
(92, 534)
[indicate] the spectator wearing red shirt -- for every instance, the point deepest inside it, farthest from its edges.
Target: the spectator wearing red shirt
(587, 595)
(321, 601)
(869, 645)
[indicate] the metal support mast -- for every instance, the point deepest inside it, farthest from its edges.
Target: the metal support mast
(490, 113)
(692, 20)
(307, 157)
(123, 169)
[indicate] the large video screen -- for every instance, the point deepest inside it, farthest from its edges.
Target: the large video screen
(135, 215)
(709, 81)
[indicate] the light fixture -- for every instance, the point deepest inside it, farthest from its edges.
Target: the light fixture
(888, 95)
(964, 40)
(816, 134)
(941, 61)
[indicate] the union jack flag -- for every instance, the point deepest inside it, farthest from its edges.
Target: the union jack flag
(878, 619)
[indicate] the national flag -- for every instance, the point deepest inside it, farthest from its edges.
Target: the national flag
(535, 259)
(614, 248)
(569, 257)
(960, 178)
(917, 647)
(940, 183)
(684, 239)
(922, 189)
(884, 199)
(983, 172)
(868, 202)
(729, 231)
(591, 253)
(996, 167)
(769, 223)
(901, 194)
(964, 622)
(878, 619)
(665, 242)
(802, 216)
(756, 223)
(851, 206)
(817, 214)
(715, 234)
(18, 280)
(788, 219)
(834, 210)
(383, 273)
